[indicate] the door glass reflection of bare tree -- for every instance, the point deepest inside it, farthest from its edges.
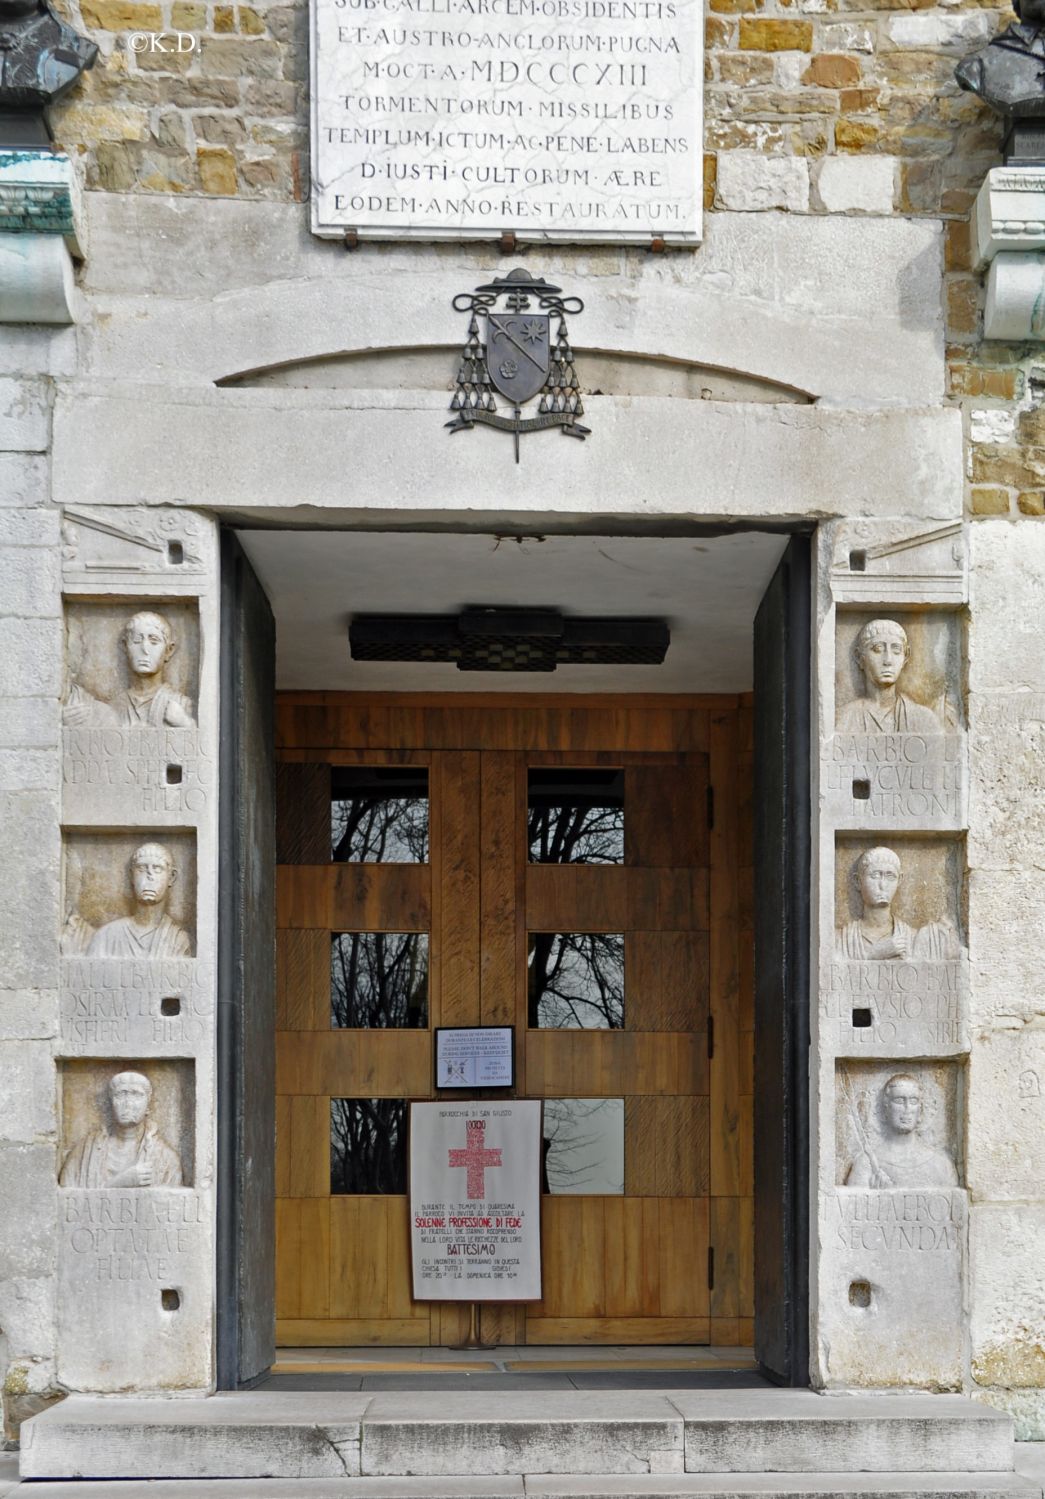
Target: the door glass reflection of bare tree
(583, 1146)
(378, 980)
(367, 1145)
(379, 815)
(576, 816)
(576, 980)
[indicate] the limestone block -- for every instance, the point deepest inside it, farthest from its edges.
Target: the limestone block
(135, 1289)
(130, 895)
(1027, 1409)
(440, 1434)
(28, 770)
(24, 480)
(28, 1014)
(30, 527)
(748, 181)
(30, 582)
(29, 350)
(857, 184)
(895, 563)
(1015, 283)
(1007, 563)
(134, 543)
(1007, 1292)
(1007, 763)
(952, 31)
(1006, 1093)
(1007, 963)
(29, 842)
(28, 1114)
(31, 723)
(29, 1194)
(25, 415)
(27, 1310)
(890, 1301)
(30, 657)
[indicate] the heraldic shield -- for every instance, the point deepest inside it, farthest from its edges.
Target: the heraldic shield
(526, 353)
(518, 353)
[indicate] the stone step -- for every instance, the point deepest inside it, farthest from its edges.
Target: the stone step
(295, 1435)
(607, 1486)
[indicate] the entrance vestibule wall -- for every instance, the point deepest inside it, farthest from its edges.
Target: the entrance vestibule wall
(838, 321)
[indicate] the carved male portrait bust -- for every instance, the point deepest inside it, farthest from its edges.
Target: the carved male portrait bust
(882, 651)
(903, 1158)
(130, 1151)
(879, 934)
(149, 643)
(1007, 74)
(149, 932)
(40, 58)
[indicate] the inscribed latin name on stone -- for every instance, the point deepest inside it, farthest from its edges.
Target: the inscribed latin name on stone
(568, 120)
(892, 779)
(475, 1222)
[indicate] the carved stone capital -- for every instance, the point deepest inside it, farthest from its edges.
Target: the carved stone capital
(39, 232)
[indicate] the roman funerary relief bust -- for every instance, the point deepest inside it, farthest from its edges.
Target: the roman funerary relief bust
(879, 934)
(149, 932)
(130, 1151)
(882, 651)
(901, 1157)
(149, 644)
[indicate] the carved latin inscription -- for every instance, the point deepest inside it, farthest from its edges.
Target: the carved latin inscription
(114, 1002)
(127, 1237)
(883, 1222)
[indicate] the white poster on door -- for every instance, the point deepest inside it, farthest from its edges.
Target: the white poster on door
(475, 1201)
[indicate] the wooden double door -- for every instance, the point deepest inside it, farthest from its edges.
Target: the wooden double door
(624, 966)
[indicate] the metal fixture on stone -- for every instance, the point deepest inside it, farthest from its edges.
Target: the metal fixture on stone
(519, 358)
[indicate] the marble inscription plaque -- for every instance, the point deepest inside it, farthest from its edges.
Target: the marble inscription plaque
(906, 1008)
(569, 120)
(893, 780)
(154, 771)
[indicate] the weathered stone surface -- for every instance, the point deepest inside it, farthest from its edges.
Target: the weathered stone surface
(29, 1114)
(29, 1192)
(23, 482)
(857, 184)
(543, 1432)
(28, 1014)
(1008, 1295)
(1004, 646)
(286, 1434)
(749, 182)
(24, 415)
(30, 659)
(28, 932)
(30, 582)
(1007, 1115)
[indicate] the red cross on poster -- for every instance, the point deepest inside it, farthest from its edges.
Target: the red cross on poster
(475, 1206)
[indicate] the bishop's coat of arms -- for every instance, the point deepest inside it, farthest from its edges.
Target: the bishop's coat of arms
(520, 358)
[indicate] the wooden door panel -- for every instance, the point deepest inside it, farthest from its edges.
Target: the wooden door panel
(606, 1064)
(629, 1268)
(666, 981)
(666, 1147)
(354, 897)
(355, 1064)
(455, 792)
(303, 980)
